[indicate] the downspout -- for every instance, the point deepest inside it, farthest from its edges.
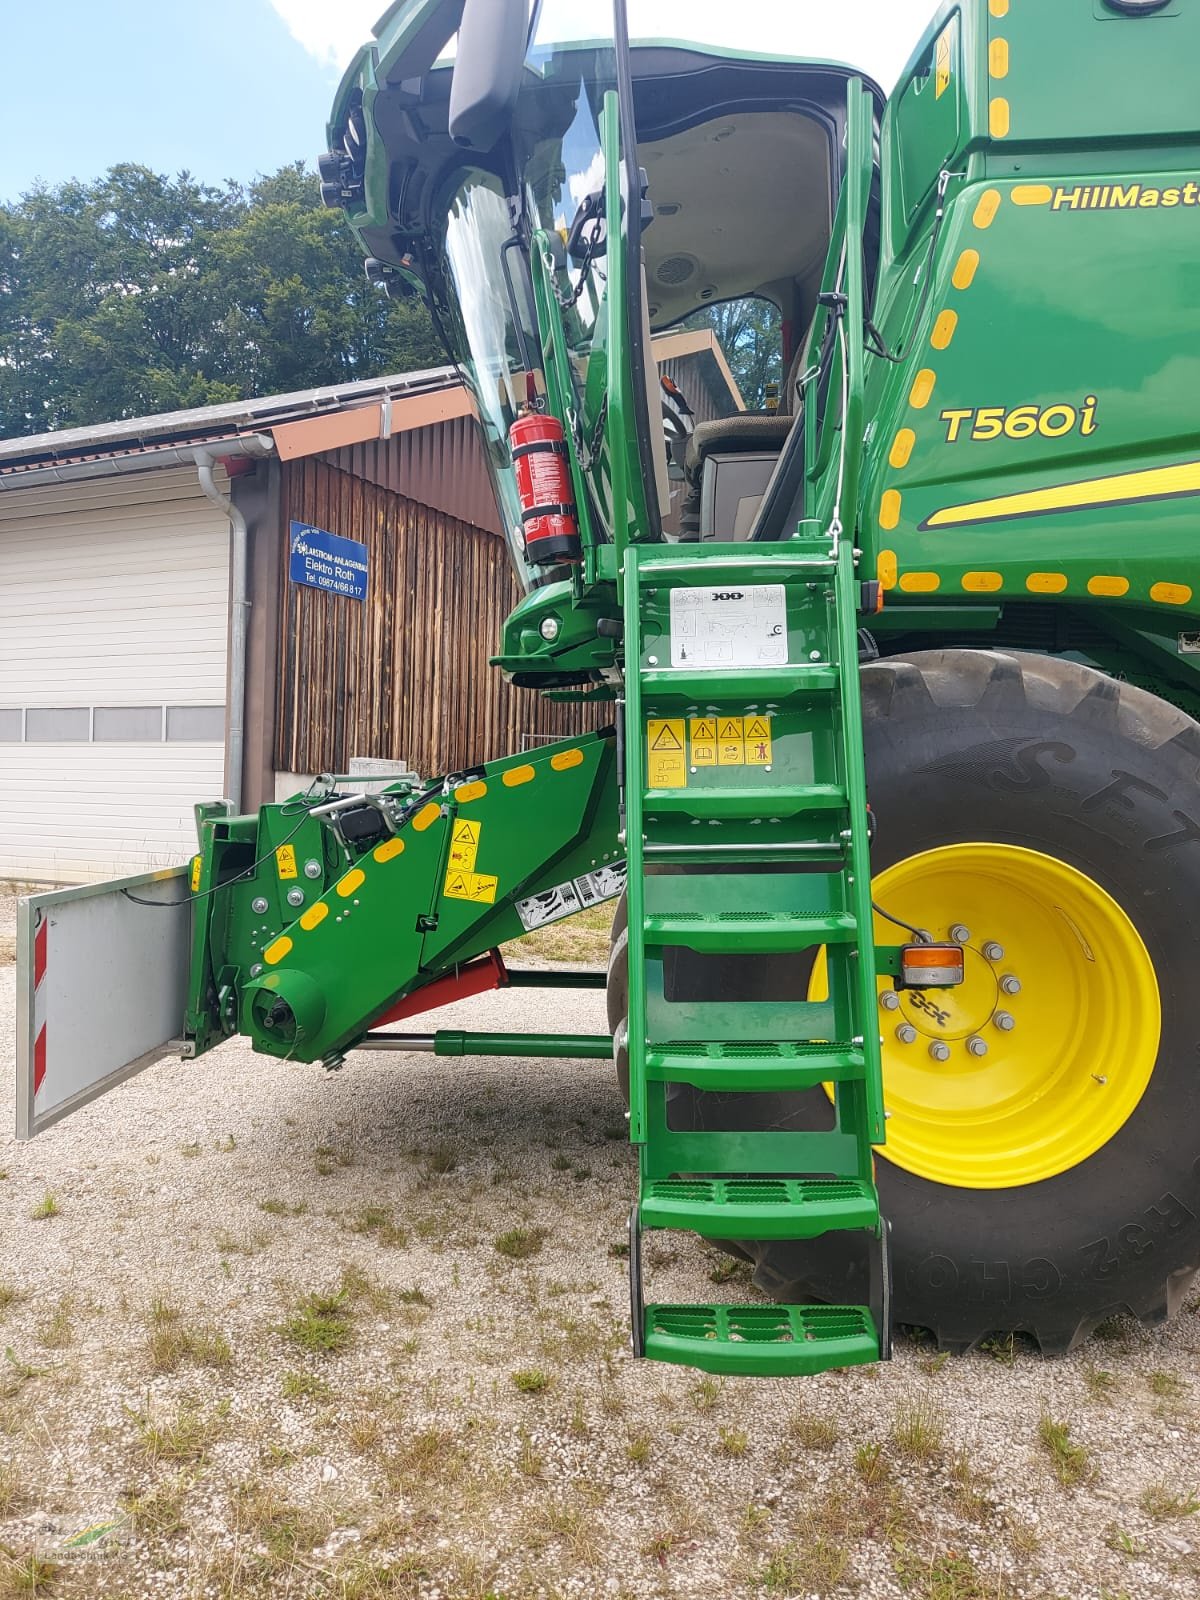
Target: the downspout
(206, 458)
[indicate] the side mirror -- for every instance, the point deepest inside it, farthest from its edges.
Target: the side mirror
(487, 71)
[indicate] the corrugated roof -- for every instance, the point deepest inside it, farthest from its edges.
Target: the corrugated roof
(206, 424)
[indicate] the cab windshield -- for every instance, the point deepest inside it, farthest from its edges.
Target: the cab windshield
(553, 166)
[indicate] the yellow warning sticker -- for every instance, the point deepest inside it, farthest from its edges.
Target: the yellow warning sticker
(758, 741)
(703, 733)
(478, 886)
(196, 865)
(731, 732)
(666, 764)
(942, 76)
(285, 861)
(464, 844)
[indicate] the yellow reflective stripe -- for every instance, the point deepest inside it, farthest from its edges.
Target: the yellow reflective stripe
(982, 582)
(922, 389)
(889, 508)
(353, 880)
(314, 916)
(467, 792)
(1122, 488)
(566, 759)
(1171, 594)
(277, 950)
(1046, 582)
(999, 118)
(920, 582)
(902, 448)
(518, 775)
(1032, 194)
(985, 211)
(1115, 587)
(965, 269)
(427, 816)
(388, 850)
(943, 330)
(885, 568)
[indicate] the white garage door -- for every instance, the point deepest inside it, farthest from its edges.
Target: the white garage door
(113, 622)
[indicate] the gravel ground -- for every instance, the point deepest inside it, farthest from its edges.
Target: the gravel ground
(481, 1429)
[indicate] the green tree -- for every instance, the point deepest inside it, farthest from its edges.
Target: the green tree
(139, 293)
(748, 330)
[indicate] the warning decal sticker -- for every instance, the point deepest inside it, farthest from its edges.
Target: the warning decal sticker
(758, 741)
(729, 627)
(606, 883)
(464, 844)
(666, 759)
(703, 734)
(285, 861)
(479, 886)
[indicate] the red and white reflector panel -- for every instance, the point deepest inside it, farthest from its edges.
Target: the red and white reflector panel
(101, 989)
(930, 966)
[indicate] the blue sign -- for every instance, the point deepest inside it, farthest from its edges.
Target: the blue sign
(327, 561)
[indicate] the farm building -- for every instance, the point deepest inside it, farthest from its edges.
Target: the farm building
(228, 600)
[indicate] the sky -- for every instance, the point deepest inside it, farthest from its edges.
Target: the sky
(232, 88)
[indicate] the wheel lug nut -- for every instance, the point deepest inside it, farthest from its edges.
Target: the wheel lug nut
(959, 934)
(939, 1050)
(906, 1033)
(1009, 984)
(889, 1000)
(993, 951)
(977, 1046)
(1004, 1021)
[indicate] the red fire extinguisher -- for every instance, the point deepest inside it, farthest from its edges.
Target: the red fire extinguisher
(548, 514)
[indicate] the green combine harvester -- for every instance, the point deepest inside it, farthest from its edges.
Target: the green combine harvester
(927, 1059)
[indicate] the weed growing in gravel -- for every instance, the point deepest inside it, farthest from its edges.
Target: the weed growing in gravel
(246, 1244)
(518, 1244)
(969, 1501)
(1101, 1384)
(183, 1438)
(158, 1513)
(13, 1495)
(946, 1575)
(440, 1160)
(871, 1464)
(46, 1207)
(1165, 1505)
(1002, 1347)
(732, 1442)
(1166, 1385)
(1070, 1462)
(813, 1433)
(1114, 1330)
(10, 1296)
(919, 1429)
(327, 1158)
(304, 1386)
(425, 1462)
(378, 1222)
(705, 1394)
(932, 1365)
(637, 1446)
(321, 1324)
(284, 1528)
(1123, 1543)
(531, 1380)
(812, 1568)
(171, 1343)
(25, 1574)
(281, 1208)
(57, 1331)
(726, 1270)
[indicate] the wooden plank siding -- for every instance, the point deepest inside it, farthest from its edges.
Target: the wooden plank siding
(404, 674)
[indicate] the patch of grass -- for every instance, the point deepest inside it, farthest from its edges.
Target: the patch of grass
(637, 1446)
(584, 938)
(518, 1244)
(426, 1462)
(706, 1394)
(286, 1529)
(158, 1512)
(321, 1324)
(1114, 1330)
(727, 1269)
(1166, 1385)
(26, 1574)
(379, 1223)
(192, 1150)
(561, 1162)
(327, 1158)
(531, 1380)
(812, 1568)
(296, 1385)
(171, 1343)
(46, 1207)
(14, 1496)
(1101, 1384)
(10, 1296)
(282, 1208)
(246, 1244)
(871, 1464)
(1122, 1542)
(732, 1442)
(931, 1365)
(947, 1575)
(1002, 1347)
(439, 1160)
(969, 1500)
(57, 1331)
(813, 1433)
(184, 1437)
(919, 1429)
(1069, 1461)
(1164, 1504)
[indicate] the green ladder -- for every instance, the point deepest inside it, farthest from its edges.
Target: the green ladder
(742, 761)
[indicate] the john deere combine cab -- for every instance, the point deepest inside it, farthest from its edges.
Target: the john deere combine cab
(954, 574)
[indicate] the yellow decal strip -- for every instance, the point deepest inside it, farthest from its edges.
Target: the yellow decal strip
(1123, 488)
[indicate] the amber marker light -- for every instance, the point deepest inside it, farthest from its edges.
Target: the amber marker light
(930, 966)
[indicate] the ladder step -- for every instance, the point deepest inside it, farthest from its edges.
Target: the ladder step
(750, 1066)
(759, 801)
(759, 1208)
(747, 686)
(754, 933)
(770, 1341)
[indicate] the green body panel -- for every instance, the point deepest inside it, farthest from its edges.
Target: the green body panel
(305, 982)
(1038, 442)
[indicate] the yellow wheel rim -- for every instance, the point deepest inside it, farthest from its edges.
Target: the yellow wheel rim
(1039, 1058)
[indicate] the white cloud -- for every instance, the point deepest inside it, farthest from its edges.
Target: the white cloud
(876, 35)
(331, 33)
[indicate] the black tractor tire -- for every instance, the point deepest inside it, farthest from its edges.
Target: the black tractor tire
(968, 746)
